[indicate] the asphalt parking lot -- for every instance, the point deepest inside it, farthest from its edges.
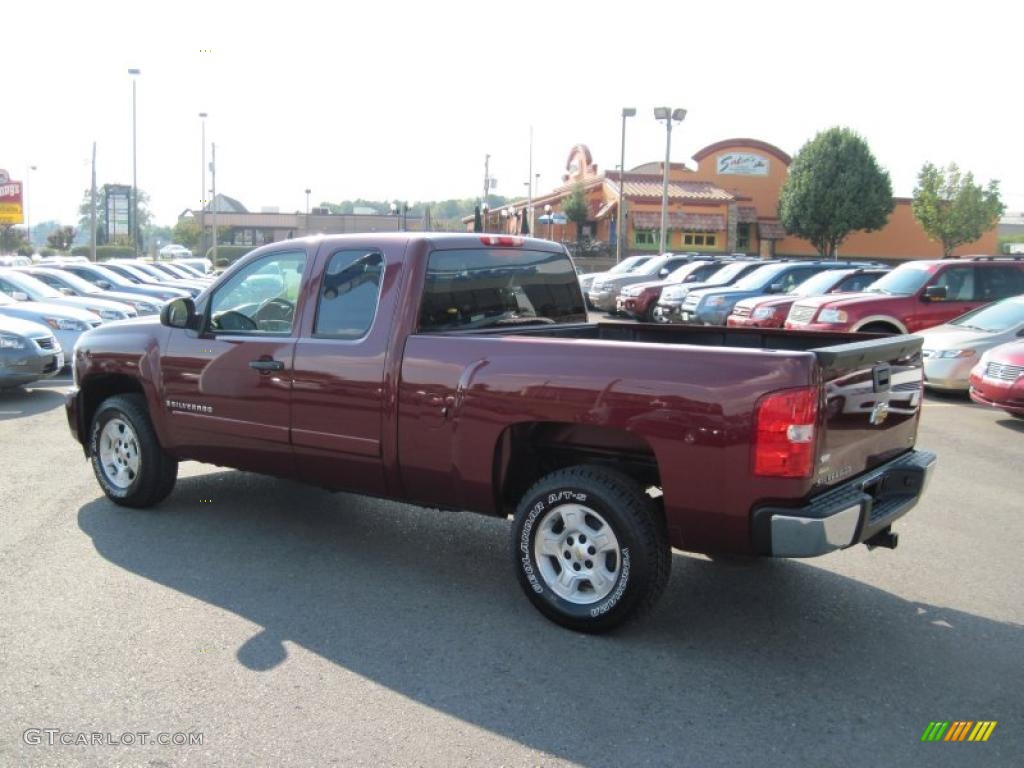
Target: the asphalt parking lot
(291, 626)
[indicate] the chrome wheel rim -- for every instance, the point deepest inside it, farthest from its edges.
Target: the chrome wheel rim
(119, 453)
(577, 554)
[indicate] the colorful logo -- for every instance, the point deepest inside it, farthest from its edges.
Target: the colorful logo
(958, 730)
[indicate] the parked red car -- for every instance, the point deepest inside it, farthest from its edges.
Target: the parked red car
(771, 311)
(998, 379)
(638, 300)
(914, 296)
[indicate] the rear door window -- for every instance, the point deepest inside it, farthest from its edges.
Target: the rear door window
(1000, 282)
(347, 301)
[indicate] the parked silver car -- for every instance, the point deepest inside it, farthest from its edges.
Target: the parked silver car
(72, 285)
(66, 323)
(952, 349)
(604, 291)
(22, 286)
(28, 352)
(624, 266)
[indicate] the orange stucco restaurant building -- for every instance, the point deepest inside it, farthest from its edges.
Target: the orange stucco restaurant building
(728, 203)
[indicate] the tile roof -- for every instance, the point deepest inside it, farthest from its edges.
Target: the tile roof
(746, 214)
(689, 222)
(770, 230)
(677, 190)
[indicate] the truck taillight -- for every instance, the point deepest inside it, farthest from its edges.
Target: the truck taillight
(785, 432)
(506, 240)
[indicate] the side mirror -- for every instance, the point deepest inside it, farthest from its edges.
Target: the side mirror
(775, 288)
(104, 284)
(19, 295)
(663, 272)
(935, 293)
(178, 313)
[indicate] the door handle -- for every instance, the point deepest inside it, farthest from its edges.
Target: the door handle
(266, 366)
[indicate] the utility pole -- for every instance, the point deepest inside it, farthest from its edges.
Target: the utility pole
(92, 207)
(487, 177)
(202, 186)
(529, 182)
(213, 193)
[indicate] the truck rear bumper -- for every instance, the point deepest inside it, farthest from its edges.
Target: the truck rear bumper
(847, 514)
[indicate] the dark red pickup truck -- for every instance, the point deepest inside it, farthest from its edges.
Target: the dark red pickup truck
(459, 372)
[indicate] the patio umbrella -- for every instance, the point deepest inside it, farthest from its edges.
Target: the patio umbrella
(478, 223)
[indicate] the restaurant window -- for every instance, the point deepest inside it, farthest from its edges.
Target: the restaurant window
(644, 237)
(697, 238)
(742, 237)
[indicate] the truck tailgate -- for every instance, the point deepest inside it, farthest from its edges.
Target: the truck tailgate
(872, 402)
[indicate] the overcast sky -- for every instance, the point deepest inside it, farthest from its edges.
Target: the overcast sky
(395, 100)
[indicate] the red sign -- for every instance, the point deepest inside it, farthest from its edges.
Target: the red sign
(10, 202)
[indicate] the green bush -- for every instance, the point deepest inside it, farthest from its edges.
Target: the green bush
(46, 252)
(105, 251)
(228, 254)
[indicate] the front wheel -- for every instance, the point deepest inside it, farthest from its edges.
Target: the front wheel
(589, 549)
(131, 466)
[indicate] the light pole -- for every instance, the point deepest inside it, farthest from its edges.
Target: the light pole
(394, 212)
(668, 115)
(213, 196)
(547, 212)
(28, 207)
(626, 112)
(308, 190)
(135, 179)
(202, 186)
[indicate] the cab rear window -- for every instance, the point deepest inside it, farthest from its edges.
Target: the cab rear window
(484, 288)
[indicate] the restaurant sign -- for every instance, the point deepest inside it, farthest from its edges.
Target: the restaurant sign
(742, 164)
(11, 211)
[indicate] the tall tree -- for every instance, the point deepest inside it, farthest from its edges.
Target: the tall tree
(187, 232)
(575, 209)
(834, 187)
(61, 238)
(952, 209)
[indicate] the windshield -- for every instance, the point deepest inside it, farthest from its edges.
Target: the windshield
(993, 318)
(74, 282)
(726, 274)
(821, 283)
(470, 289)
(694, 267)
(35, 288)
(141, 274)
(100, 272)
(905, 280)
(759, 278)
(627, 264)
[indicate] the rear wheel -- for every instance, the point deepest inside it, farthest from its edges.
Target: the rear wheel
(879, 328)
(589, 550)
(130, 465)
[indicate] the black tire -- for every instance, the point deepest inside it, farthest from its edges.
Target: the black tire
(157, 471)
(645, 561)
(1016, 415)
(879, 328)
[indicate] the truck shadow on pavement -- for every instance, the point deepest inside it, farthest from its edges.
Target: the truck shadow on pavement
(778, 661)
(21, 402)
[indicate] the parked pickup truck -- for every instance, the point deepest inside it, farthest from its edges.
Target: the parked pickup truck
(459, 372)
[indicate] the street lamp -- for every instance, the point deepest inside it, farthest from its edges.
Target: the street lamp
(202, 187)
(134, 228)
(669, 116)
(626, 112)
(28, 207)
(547, 212)
(307, 204)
